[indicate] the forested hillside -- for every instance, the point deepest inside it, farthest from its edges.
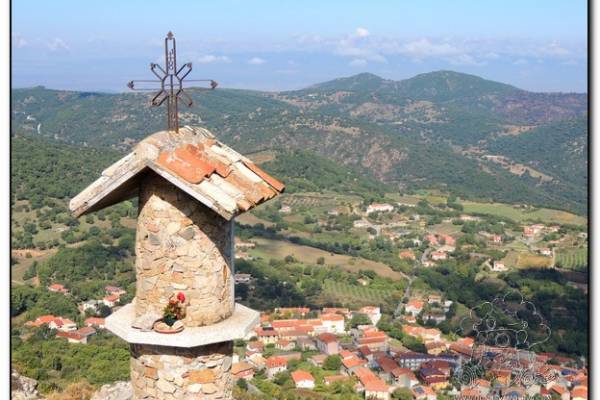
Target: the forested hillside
(434, 129)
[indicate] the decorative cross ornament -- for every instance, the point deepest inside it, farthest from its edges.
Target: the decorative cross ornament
(171, 83)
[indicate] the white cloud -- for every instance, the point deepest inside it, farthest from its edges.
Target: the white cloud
(210, 58)
(358, 62)
(465, 59)
(554, 49)
(57, 44)
(491, 56)
(287, 71)
(570, 62)
(256, 61)
(423, 48)
(19, 41)
(361, 32)
(309, 39)
(349, 50)
(520, 61)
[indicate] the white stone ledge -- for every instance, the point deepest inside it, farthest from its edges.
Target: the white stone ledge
(235, 327)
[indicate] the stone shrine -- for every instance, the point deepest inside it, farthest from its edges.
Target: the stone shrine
(190, 188)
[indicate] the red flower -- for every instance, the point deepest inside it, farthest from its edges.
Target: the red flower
(181, 297)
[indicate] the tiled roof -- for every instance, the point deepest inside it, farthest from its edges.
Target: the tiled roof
(275, 361)
(352, 362)
(364, 375)
(112, 297)
(86, 330)
(346, 354)
(94, 321)
(327, 338)
(70, 335)
(194, 161)
(46, 319)
(332, 317)
(387, 364)
(377, 386)
(299, 376)
(415, 304)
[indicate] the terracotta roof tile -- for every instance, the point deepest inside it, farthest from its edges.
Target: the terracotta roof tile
(280, 187)
(300, 375)
(192, 160)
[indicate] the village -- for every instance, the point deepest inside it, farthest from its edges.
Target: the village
(317, 349)
(327, 349)
(67, 329)
(313, 350)
(426, 230)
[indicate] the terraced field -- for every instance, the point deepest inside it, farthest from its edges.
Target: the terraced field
(574, 259)
(345, 293)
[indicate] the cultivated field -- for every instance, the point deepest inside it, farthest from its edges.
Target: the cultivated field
(251, 219)
(575, 259)
(519, 214)
(529, 260)
(345, 293)
(268, 248)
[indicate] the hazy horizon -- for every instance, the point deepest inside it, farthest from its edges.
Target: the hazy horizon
(108, 91)
(100, 46)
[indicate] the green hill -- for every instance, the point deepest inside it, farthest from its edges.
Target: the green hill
(435, 129)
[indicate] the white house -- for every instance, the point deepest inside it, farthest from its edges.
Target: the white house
(334, 323)
(275, 365)
(303, 379)
(379, 207)
(62, 324)
(499, 267)
(414, 307)
(374, 313)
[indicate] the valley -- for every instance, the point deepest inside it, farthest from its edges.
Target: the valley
(391, 198)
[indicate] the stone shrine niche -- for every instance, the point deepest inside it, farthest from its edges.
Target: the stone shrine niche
(190, 188)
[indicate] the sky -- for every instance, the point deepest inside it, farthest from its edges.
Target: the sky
(276, 45)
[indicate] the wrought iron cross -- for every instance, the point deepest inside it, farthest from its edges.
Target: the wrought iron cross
(171, 83)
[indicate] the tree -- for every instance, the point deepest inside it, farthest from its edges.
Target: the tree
(359, 319)
(242, 384)
(104, 311)
(402, 394)
(281, 378)
(332, 363)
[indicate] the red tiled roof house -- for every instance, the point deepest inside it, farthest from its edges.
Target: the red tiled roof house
(328, 343)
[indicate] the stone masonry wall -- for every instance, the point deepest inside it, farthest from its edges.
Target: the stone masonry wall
(168, 373)
(182, 246)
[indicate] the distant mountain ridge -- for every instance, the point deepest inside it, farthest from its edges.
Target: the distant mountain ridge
(440, 129)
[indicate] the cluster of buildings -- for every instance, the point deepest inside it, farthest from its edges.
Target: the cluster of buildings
(379, 207)
(433, 308)
(111, 300)
(241, 249)
(67, 328)
(531, 231)
(441, 244)
(377, 366)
